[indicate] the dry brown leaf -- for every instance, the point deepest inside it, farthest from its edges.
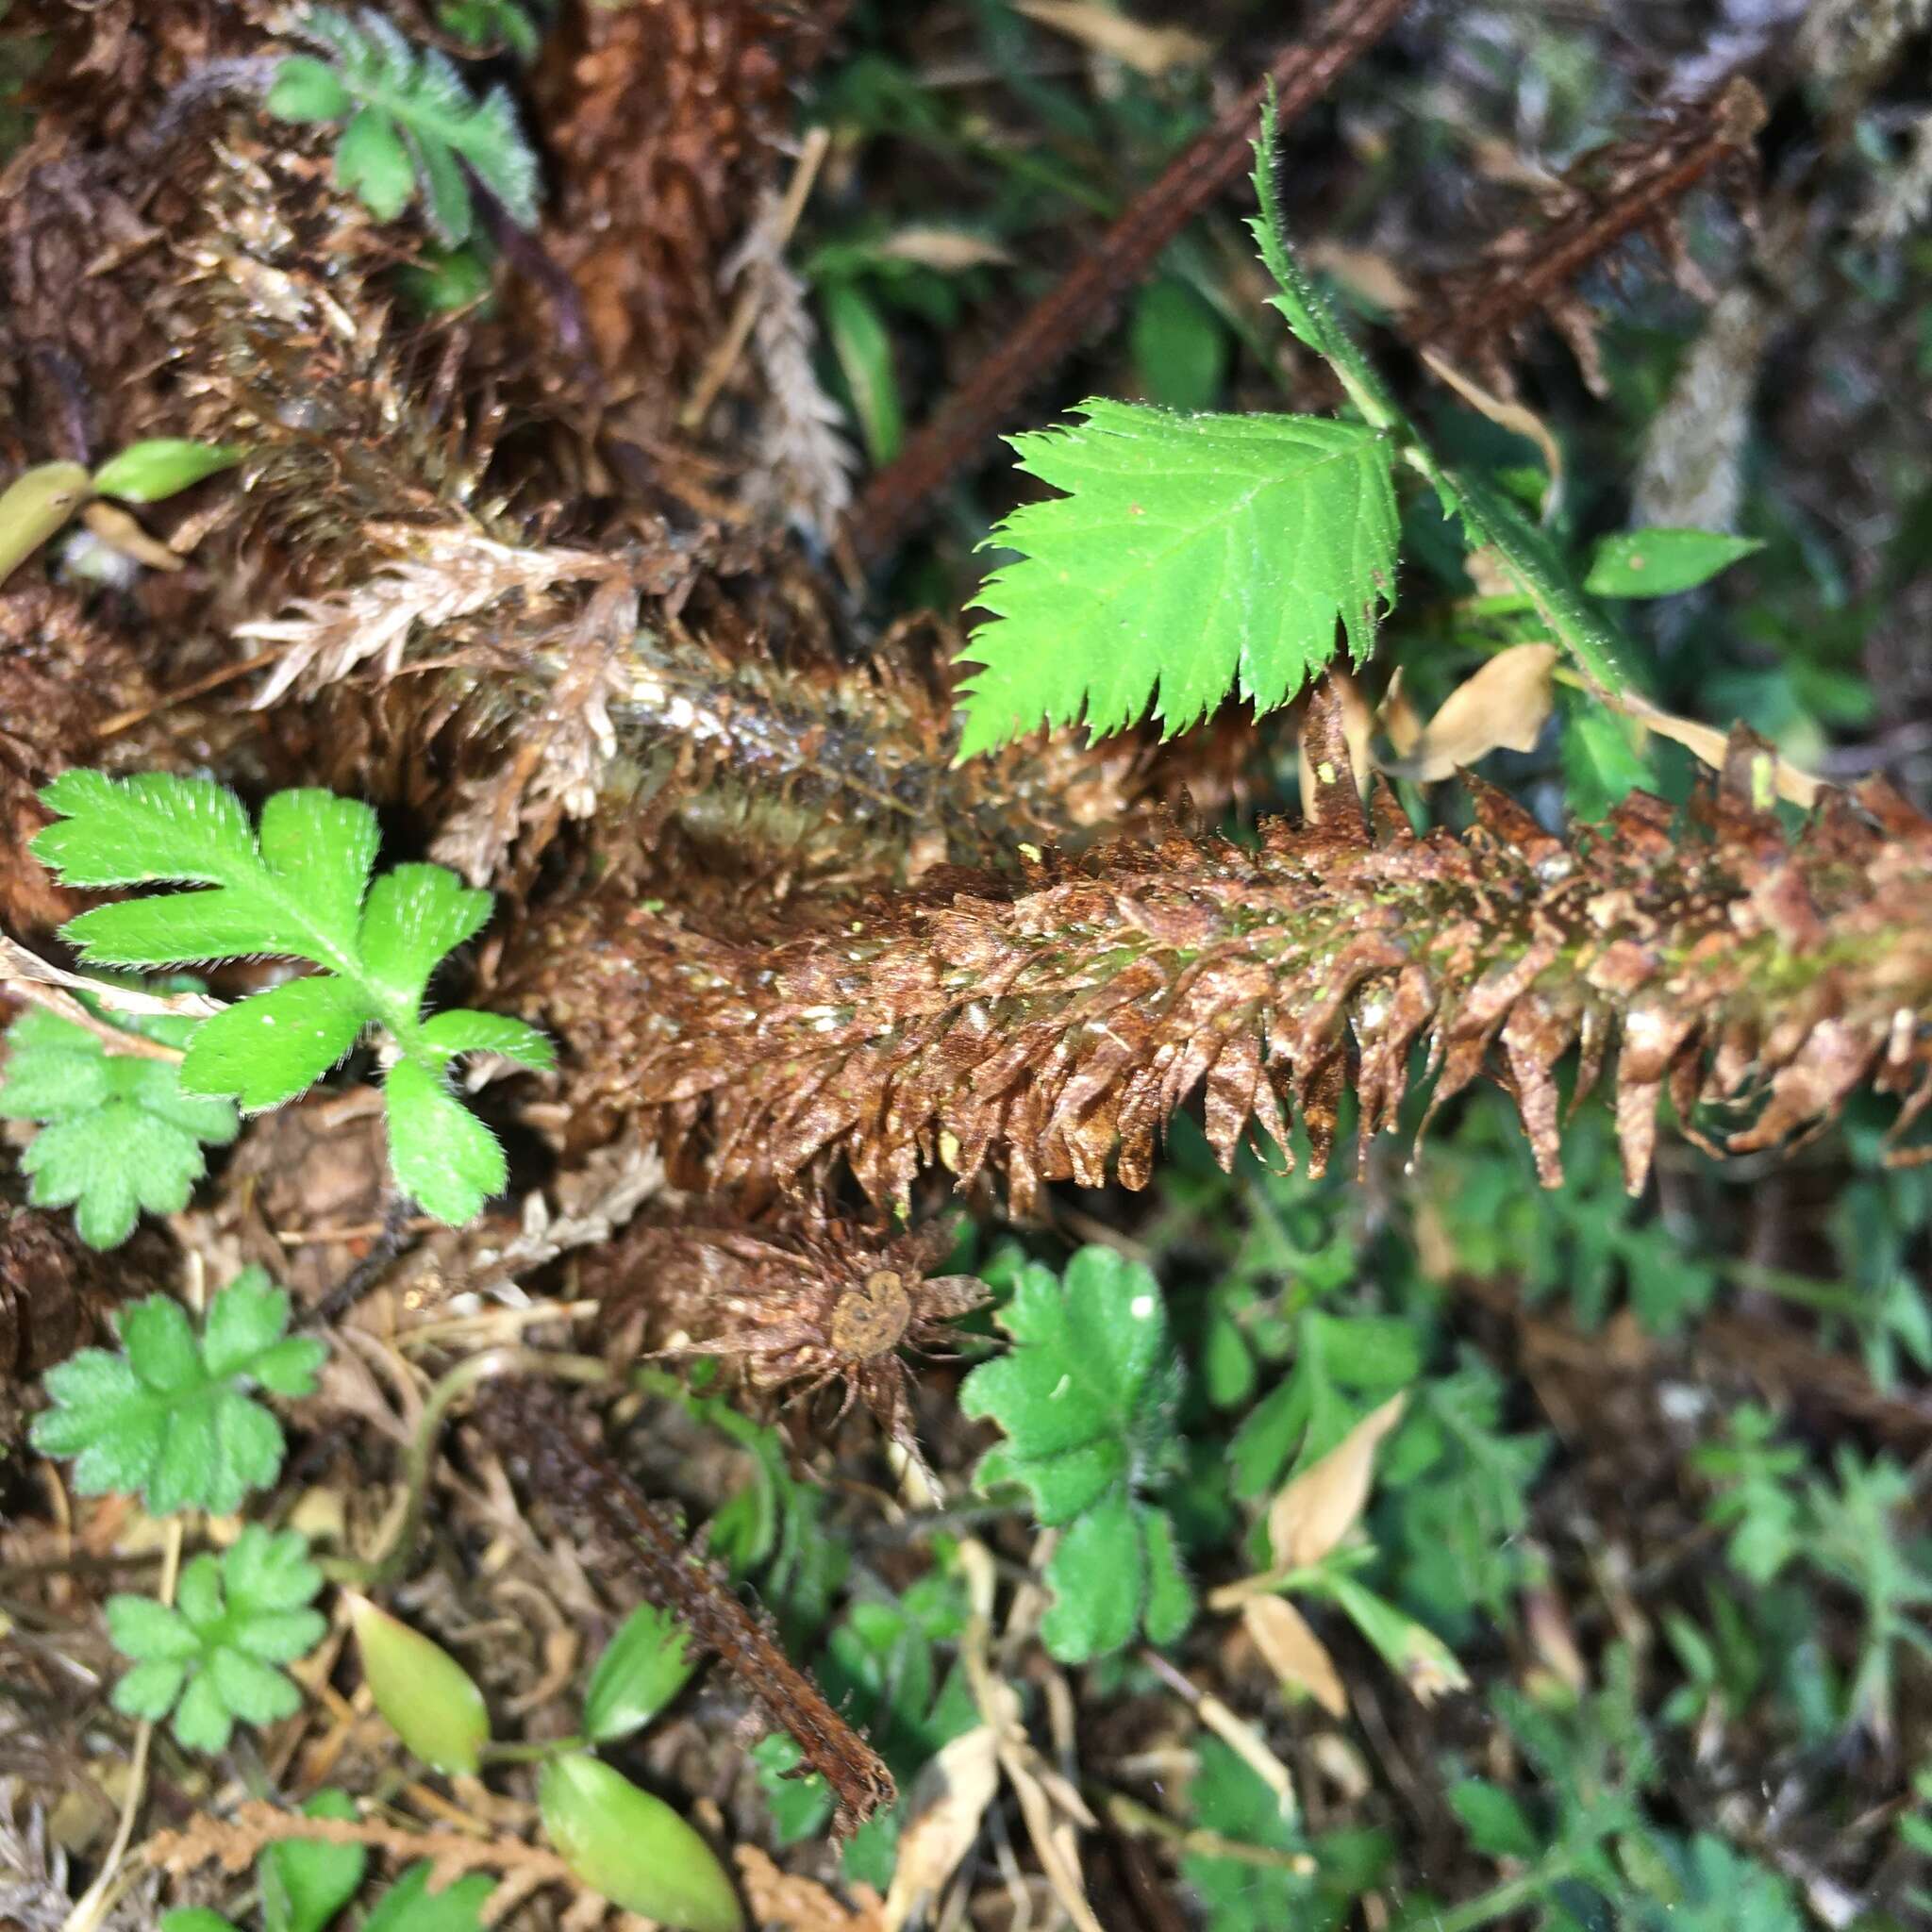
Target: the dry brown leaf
(1149, 50)
(1365, 270)
(1796, 786)
(1503, 706)
(947, 250)
(1294, 1652)
(784, 1903)
(965, 1774)
(1357, 727)
(1505, 415)
(1320, 1506)
(1400, 723)
(119, 531)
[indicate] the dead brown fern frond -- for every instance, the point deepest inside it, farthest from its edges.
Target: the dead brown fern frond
(660, 119)
(1634, 186)
(1049, 1025)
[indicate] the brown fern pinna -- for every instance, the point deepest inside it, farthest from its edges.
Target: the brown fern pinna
(1048, 1024)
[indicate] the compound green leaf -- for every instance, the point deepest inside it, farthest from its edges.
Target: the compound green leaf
(236, 1614)
(1087, 1399)
(302, 888)
(171, 1415)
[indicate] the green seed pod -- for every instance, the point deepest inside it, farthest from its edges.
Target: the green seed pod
(426, 1697)
(633, 1848)
(37, 504)
(147, 472)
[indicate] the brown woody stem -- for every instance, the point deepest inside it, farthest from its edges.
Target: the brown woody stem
(898, 497)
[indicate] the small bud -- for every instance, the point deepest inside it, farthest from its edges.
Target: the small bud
(426, 1697)
(633, 1848)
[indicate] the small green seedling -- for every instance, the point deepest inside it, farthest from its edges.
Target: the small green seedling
(211, 1657)
(40, 502)
(620, 1841)
(171, 1416)
(117, 1134)
(303, 887)
(412, 124)
(1086, 1398)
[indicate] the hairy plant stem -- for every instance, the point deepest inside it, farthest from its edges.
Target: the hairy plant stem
(378, 1572)
(900, 494)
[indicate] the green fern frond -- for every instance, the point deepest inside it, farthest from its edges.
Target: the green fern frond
(412, 124)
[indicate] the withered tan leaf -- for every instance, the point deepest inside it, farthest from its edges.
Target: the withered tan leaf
(1505, 414)
(1400, 723)
(1320, 1506)
(1711, 746)
(962, 1780)
(785, 1901)
(1358, 728)
(1294, 1652)
(1150, 50)
(1503, 706)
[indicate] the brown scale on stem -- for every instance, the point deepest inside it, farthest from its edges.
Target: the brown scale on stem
(1477, 315)
(534, 1431)
(1049, 1025)
(799, 1308)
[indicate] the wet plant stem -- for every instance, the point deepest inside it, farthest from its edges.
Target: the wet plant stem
(1511, 1895)
(533, 1753)
(377, 1573)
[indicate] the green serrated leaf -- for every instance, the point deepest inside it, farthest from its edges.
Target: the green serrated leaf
(1087, 1400)
(301, 890)
(412, 124)
(1191, 557)
(272, 1046)
(172, 1416)
(208, 1658)
(462, 1031)
(374, 164)
(445, 1158)
(416, 914)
